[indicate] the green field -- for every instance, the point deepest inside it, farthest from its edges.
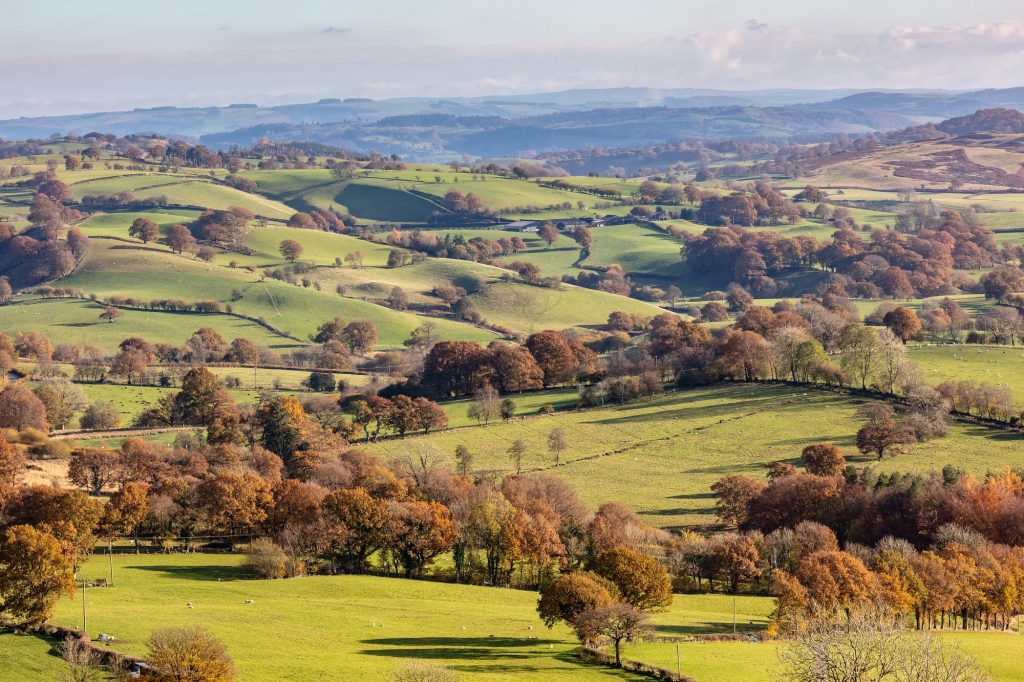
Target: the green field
(662, 456)
(185, 190)
(78, 321)
(637, 249)
(343, 627)
(1002, 655)
(994, 364)
(112, 267)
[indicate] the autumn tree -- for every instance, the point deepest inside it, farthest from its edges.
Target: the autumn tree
(290, 250)
(835, 580)
(573, 593)
(882, 432)
(126, 510)
(179, 239)
(144, 229)
(734, 493)
(233, 502)
(94, 469)
(548, 232)
(201, 399)
(366, 520)
(736, 557)
(515, 368)
(454, 368)
(280, 421)
(187, 655)
(903, 322)
(12, 464)
(823, 459)
(20, 408)
(553, 355)
(618, 622)
(642, 581)
(418, 533)
(359, 336)
(110, 313)
(35, 572)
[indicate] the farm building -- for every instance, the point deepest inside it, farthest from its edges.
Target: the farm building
(523, 226)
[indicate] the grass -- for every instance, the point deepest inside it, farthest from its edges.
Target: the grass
(369, 625)
(364, 626)
(532, 309)
(1001, 654)
(77, 321)
(662, 456)
(994, 364)
(637, 249)
(112, 267)
(25, 657)
(185, 190)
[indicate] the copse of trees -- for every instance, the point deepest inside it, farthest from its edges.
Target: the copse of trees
(455, 368)
(889, 263)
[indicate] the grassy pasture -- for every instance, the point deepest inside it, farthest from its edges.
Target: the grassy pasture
(113, 267)
(637, 249)
(1002, 655)
(76, 321)
(369, 625)
(320, 248)
(662, 456)
(533, 309)
(363, 626)
(187, 190)
(994, 364)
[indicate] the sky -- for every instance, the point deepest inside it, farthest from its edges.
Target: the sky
(75, 56)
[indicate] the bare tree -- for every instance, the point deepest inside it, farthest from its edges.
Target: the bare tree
(83, 663)
(872, 646)
(558, 442)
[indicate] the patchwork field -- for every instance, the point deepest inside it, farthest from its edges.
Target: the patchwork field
(662, 456)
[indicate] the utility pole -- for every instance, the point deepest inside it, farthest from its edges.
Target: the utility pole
(734, 614)
(110, 560)
(679, 670)
(85, 621)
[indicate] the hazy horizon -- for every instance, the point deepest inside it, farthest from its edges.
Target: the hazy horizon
(203, 54)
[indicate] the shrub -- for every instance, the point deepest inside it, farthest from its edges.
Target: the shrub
(266, 560)
(421, 671)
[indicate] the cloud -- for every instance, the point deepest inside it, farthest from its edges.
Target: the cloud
(751, 56)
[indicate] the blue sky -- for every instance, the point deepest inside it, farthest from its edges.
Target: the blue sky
(71, 56)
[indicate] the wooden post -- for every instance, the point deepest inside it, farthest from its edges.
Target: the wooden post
(110, 559)
(734, 614)
(679, 670)
(85, 621)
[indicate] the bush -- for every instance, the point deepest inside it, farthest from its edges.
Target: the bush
(266, 560)
(100, 415)
(421, 671)
(51, 449)
(321, 381)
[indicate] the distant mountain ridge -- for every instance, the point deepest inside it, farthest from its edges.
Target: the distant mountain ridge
(502, 126)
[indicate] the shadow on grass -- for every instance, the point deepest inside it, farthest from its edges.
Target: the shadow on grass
(507, 655)
(467, 648)
(221, 573)
(742, 626)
